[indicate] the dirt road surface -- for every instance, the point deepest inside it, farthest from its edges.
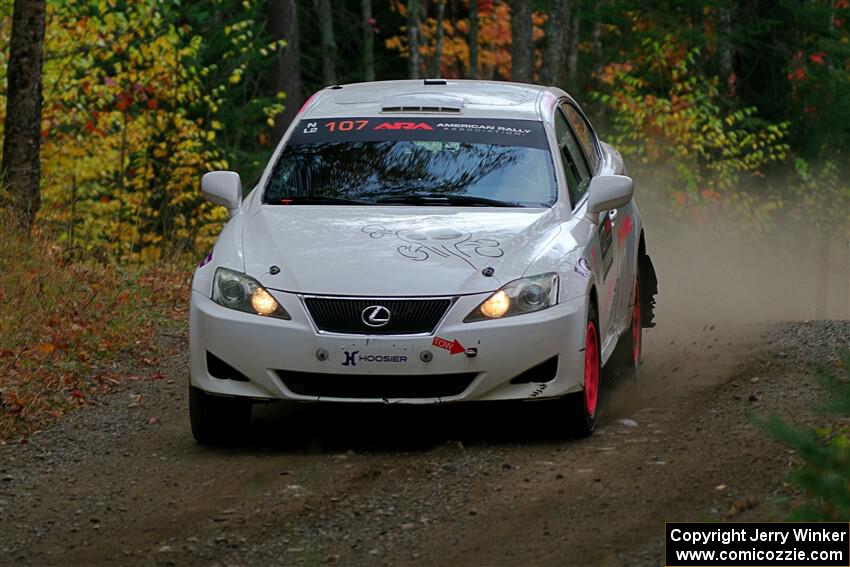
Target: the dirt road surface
(123, 482)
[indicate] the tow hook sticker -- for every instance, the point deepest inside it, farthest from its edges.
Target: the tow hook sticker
(454, 347)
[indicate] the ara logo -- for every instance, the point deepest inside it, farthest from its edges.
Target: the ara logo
(402, 126)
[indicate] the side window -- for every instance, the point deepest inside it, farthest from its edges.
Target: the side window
(584, 133)
(575, 167)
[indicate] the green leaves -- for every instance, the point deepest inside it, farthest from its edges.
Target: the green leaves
(824, 454)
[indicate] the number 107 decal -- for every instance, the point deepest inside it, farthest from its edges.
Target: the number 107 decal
(346, 125)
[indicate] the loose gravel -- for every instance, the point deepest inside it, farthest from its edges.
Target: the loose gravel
(122, 480)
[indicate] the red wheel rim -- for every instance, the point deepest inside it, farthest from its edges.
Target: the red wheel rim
(636, 326)
(591, 369)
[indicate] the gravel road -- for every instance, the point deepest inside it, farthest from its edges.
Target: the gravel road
(123, 481)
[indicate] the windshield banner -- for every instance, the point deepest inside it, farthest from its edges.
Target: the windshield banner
(525, 133)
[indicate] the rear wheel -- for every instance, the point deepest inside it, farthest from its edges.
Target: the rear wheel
(583, 407)
(637, 328)
(217, 419)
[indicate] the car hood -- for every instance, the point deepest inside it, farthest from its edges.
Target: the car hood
(392, 251)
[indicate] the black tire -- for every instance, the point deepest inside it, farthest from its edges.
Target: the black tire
(217, 420)
(582, 419)
(648, 290)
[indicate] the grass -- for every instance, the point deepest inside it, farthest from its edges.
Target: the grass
(68, 327)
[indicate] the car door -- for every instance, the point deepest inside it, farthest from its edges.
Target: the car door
(623, 233)
(603, 251)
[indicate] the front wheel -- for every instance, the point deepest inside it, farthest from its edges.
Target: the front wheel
(217, 419)
(583, 407)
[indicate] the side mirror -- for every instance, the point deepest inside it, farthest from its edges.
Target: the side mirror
(608, 192)
(222, 188)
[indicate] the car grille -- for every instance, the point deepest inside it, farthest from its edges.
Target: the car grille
(378, 386)
(406, 316)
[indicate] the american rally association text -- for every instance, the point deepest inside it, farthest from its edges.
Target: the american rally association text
(755, 534)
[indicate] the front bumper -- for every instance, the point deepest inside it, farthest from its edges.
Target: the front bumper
(269, 352)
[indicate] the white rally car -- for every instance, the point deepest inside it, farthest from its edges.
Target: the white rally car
(422, 242)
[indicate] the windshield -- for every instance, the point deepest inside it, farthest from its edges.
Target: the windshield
(427, 162)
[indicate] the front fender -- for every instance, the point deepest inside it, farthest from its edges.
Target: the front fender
(227, 252)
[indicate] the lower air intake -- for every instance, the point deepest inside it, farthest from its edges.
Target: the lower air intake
(363, 386)
(543, 372)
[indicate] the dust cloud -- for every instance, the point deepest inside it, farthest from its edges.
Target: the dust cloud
(718, 268)
(723, 284)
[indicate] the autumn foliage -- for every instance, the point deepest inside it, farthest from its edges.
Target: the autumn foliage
(671, 127)
(494, 38)
(130, 121)
(70, 330)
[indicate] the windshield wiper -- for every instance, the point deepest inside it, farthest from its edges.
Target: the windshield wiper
(446, 199)
(315, 200)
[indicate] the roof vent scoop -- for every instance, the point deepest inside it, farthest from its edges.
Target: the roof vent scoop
(425, 102)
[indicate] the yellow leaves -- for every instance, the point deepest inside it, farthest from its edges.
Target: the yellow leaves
(395, 43)
(147, 155)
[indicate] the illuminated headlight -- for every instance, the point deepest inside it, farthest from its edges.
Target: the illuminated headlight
(525, 295)
(237, 291)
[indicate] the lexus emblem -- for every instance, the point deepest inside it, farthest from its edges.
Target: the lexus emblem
(375, 316)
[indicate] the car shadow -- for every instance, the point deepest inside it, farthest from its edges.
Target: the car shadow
(335, 427)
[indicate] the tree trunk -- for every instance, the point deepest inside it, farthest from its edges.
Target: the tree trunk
(831, 16)
(596, 42)
(282, 22)
(725, 49)
(824, 247)
(598, 115)
(413, 38)
(438, 41)
(473, 39)
(19, 169)
(553, 60)
(572, 49)
(843, 282)
(368, 40)
(522, 46)
(326, 29)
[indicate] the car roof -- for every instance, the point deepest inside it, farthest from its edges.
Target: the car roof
(437, 97)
